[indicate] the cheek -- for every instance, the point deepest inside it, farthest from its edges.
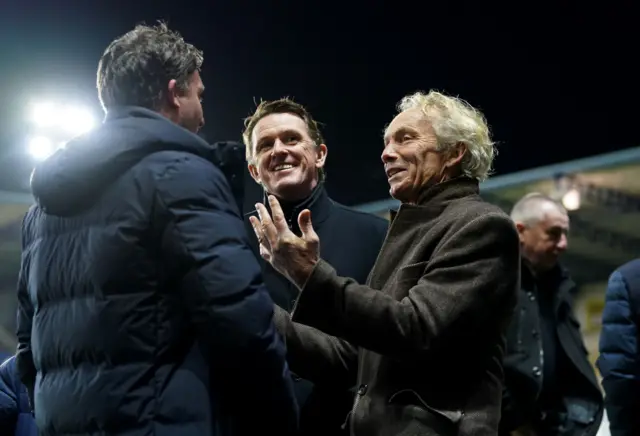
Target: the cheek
(305, 154)
(262, 164)
(264, 168)
(198, 107)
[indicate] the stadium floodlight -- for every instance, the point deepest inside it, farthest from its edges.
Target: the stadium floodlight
(72, 120)
(41, 147)
(571, 200)
(76, 120)
(44, 114)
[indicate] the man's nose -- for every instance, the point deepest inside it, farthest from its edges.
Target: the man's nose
(563, 243)
(279, 147)
(388, 154)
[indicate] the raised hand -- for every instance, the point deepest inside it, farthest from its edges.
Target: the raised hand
(291, 255)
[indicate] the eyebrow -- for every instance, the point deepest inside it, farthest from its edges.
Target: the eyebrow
(399, 131)
(287, 131)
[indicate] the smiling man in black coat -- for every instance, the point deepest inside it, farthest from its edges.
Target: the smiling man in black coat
(286, 154)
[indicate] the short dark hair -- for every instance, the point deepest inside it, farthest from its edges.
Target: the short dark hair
(135, 68)
(282, 106)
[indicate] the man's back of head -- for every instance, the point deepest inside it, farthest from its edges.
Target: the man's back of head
(153, 68)
(149, 83)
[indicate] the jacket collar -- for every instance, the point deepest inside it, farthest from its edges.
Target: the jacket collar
(562, 283)
(449, 190)
(75, 176)
(318, 202)
(434, 199)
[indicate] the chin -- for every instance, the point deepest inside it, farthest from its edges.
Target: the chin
(291, 191)
(396, 191)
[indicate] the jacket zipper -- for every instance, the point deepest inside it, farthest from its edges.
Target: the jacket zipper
(362, 389)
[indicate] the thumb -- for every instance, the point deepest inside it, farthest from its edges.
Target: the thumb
(306, 227)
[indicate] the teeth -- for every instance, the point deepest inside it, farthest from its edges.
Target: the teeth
(283, 167)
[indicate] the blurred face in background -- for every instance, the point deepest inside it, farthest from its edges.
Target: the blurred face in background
(284, 159)
(545, 240)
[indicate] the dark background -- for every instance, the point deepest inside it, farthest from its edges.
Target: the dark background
(556, 80)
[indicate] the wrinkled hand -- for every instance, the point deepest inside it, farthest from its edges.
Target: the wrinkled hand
(292, 256)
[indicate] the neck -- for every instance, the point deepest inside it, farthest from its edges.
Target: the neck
(315, 201)
(295, 202)
(170, 115)
(296, 194)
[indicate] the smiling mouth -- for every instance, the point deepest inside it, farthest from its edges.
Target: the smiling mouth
(393, 173)
(283, 167)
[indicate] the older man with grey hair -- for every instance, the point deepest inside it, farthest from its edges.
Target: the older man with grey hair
(551, 388)
(424, 336)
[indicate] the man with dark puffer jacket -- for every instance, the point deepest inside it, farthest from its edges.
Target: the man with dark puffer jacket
(141, 307)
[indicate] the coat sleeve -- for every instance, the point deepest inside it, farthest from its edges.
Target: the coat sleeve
(471, 281)
(618, 360)
(8, 399)
(316, 356)
(205, 239)
(24, 356)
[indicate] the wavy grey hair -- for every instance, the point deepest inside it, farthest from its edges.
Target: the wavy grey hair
(454, 122)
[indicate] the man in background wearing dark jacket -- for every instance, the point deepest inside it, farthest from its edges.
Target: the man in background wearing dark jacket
(141, 307)
(286, 155)
(550, 387)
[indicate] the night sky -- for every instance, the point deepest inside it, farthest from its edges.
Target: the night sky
(556, 80)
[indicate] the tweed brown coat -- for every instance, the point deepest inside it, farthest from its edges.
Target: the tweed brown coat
(425, 337)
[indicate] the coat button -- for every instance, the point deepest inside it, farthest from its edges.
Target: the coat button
(362, 389)
(536, 371)
(535, 334)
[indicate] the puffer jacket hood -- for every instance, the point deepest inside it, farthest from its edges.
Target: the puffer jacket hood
(72, 178)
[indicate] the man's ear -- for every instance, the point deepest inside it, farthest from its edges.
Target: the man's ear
(253, 170)
(456, 155)
(521, 228)
(173, 94)
(321, 155)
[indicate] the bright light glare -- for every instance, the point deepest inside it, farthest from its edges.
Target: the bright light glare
(44, 114)
(73, 120)
(76, 120)
(41, 147)
(571, 200)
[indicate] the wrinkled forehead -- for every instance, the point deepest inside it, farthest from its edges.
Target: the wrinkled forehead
(553, 216)
(410, 119)
(557, 215)
(275, 125)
